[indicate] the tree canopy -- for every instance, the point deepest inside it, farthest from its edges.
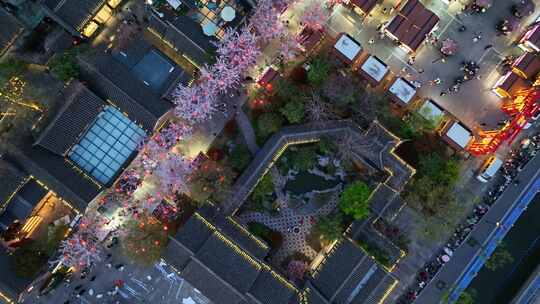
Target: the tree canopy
(318, 71)
(355, 200)
(500, 258)
(330, 227)
(303, 159)
(144, 239)
(268, 123)
(293, 111)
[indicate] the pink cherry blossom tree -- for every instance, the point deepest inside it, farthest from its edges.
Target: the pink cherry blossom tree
(172, 174)
(315, 16)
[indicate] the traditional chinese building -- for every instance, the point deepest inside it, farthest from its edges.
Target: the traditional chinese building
(411, 25)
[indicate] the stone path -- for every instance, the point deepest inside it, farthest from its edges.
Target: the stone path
(293, 227)
(247, 131)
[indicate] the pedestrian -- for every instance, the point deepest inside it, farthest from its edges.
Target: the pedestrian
(488, 46)
(443, 93)
(371, 41)
(420, 71)
(483, 124)
(93, 278)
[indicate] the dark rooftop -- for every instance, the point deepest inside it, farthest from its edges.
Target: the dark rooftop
(348, 275)
(23, 203)
(80, 109)
(412, 24)
(10, 29)
(12, 179)
(528, 64)
(113, 81)
(75, 13)
(10, 284)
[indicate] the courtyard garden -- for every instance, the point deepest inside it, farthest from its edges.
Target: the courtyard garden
(305, 201)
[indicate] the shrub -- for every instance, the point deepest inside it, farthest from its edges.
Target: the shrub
(304, 159)
(65, 66)
(318, 71)
(293, 111)
(268, 123)
(355, 200)
(330, 227)
(264, 188)
(240, 157)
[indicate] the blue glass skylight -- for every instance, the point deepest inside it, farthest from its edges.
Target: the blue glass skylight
(107, 145)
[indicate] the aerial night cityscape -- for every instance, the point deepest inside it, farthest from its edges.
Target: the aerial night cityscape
(269, 151)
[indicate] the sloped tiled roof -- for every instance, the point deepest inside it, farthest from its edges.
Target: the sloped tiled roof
(210, 284)
(23, 203)
(75, 13)
(10, 29)
(79, 110)
(12, 179)
(10, 284)
(268, 289)
(348, 275)
(228, 263)
(113, 82)
(412, 24)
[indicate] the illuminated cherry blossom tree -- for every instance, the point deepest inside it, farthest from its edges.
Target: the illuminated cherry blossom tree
(172, 174)
(315, 16)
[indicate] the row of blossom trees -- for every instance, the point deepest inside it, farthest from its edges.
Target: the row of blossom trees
(237, 52)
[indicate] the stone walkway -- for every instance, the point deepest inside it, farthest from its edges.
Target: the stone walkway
(292, 226)
(247, 131)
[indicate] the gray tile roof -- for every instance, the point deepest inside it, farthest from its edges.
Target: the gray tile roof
(55, 172)
(180, 41)
(10, 284)
(348, 275)
(224, 259)
(382, 196)
(112, 81)
(23, 203)
(10, 29)
(268, 289)
(211, 285)
(80, 109)
(194, 233)
(75, 13)
(12, 179)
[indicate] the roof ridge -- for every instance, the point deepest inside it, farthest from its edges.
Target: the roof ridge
(105, 78)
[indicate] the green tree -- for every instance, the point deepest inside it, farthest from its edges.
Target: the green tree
(264, 188)
(287, 91)
(416, 125)
(319, 71)
(500, 258)
(355, 200)
(144, 239)
(240, 157)
(65, 66)
(303, 159)
(326, 146)
(467, 297)
(330, 227)
(268, 123)
(293, 111)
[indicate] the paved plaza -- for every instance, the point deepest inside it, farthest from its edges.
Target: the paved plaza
(155, 284)
(474, 104)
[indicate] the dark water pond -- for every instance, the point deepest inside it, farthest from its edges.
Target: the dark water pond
(306, 182)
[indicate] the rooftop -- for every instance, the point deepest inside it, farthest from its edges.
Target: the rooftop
(375, 68)
(348, 47)
(413, 22)
(10, 29)
(459, 134)
(527, 65)
(403, 90)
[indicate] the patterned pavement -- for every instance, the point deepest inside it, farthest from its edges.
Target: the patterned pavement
(293, 226)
